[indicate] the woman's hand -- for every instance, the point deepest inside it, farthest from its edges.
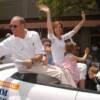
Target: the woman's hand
(44, 8)
(83, 15)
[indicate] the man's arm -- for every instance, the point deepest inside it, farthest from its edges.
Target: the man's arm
(38, 51)
(36, 58)
(31, 61)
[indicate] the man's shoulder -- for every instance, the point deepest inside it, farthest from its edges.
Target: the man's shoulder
(32, 32)
(10, 38)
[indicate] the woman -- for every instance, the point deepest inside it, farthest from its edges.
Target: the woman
(55, 34)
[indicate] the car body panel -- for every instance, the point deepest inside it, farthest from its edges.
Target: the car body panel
(15, 89)
(88, 96)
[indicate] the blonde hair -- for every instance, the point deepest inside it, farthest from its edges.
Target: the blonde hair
(55, 24)
(69, 47)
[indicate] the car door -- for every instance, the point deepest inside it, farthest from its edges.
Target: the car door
(12, 88)
(45, 88)
(88, 95)
(43, 92)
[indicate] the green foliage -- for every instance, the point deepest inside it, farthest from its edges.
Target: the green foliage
(55, 6)
(67, 7)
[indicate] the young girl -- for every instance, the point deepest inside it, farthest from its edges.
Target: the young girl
(70, 61)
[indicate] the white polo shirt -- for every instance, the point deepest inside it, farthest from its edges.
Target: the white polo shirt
(58, 45)
(22, 48)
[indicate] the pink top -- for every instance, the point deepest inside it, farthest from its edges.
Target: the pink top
(71, 65)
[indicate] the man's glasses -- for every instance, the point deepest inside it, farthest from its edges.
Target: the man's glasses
(13, 26)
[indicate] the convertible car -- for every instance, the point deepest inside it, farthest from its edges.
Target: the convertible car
(14, 87)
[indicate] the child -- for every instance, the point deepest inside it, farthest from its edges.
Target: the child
(47, 58)
(94, 74)
(70, 61)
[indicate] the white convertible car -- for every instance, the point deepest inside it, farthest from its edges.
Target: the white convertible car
(14, 87)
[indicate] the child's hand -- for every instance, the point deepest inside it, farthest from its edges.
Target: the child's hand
(45, 60)
(87, 50)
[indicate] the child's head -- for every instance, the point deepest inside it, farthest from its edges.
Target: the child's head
(92, 71)
(70, 47)
(47, 44)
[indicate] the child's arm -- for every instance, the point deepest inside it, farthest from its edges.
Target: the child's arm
(84, 57)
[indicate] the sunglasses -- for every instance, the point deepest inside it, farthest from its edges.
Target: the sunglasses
(13, 26)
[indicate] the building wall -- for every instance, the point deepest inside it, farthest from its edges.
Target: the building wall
(85, 38)
(25, 8)
(28, 9)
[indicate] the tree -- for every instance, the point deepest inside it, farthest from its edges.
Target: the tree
(70, 7)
